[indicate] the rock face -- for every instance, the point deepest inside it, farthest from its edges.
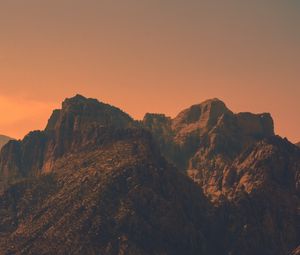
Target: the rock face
(81, 124)
(262, 188)
(204, 139)
(3, 140)
(95, 181)
(108, 190)
(248, 173)
(119, 199)
(296, 251)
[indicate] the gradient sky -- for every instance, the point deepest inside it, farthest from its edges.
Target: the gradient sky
(149, 56)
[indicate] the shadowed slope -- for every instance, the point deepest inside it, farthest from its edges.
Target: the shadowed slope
(206, 138)
(94, 182)
(263, 188)
(120, 199)
(251, 175)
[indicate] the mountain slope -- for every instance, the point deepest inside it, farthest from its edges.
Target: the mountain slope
(263, 187)
(82, 123)
(3, 140)
(204, 139)
(251, 175)
(118, 199)
(94, 182)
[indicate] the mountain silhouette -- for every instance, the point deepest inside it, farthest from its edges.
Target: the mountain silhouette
(96, 181)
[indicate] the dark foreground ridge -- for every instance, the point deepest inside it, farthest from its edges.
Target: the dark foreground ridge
(95, 181)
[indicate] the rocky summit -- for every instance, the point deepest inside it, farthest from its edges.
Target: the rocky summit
(81, 124)
(95, 181)
(205, 139)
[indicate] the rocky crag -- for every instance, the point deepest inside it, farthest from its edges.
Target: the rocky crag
(250, 174)
(95, 181)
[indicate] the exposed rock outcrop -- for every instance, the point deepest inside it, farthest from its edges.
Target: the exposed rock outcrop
(262, 191)
(94, 182)
(121, 198)
(81, 124)
(251, 175)
(204, 139)
(296, 251)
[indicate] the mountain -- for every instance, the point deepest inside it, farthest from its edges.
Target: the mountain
(116, 199)
(92, 182)
(248, 173)
(262, 185)
(3, 140)
(81, 124)
(298, 144)
(206, 138)
(95, 181)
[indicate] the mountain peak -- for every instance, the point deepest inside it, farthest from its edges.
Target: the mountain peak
(79, 100)
(113, 192)
(204, 114)
(81, 111)
(77, 97)
(212, 100)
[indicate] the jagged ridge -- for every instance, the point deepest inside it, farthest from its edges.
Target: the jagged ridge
(121, 198)
(94, 182)
(81, 124)
(207, 137)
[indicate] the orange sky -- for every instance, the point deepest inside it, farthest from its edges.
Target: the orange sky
(141, 55)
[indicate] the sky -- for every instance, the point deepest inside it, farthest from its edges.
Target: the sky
(149, 56)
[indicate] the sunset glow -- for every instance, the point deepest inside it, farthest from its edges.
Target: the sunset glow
(149, 56)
